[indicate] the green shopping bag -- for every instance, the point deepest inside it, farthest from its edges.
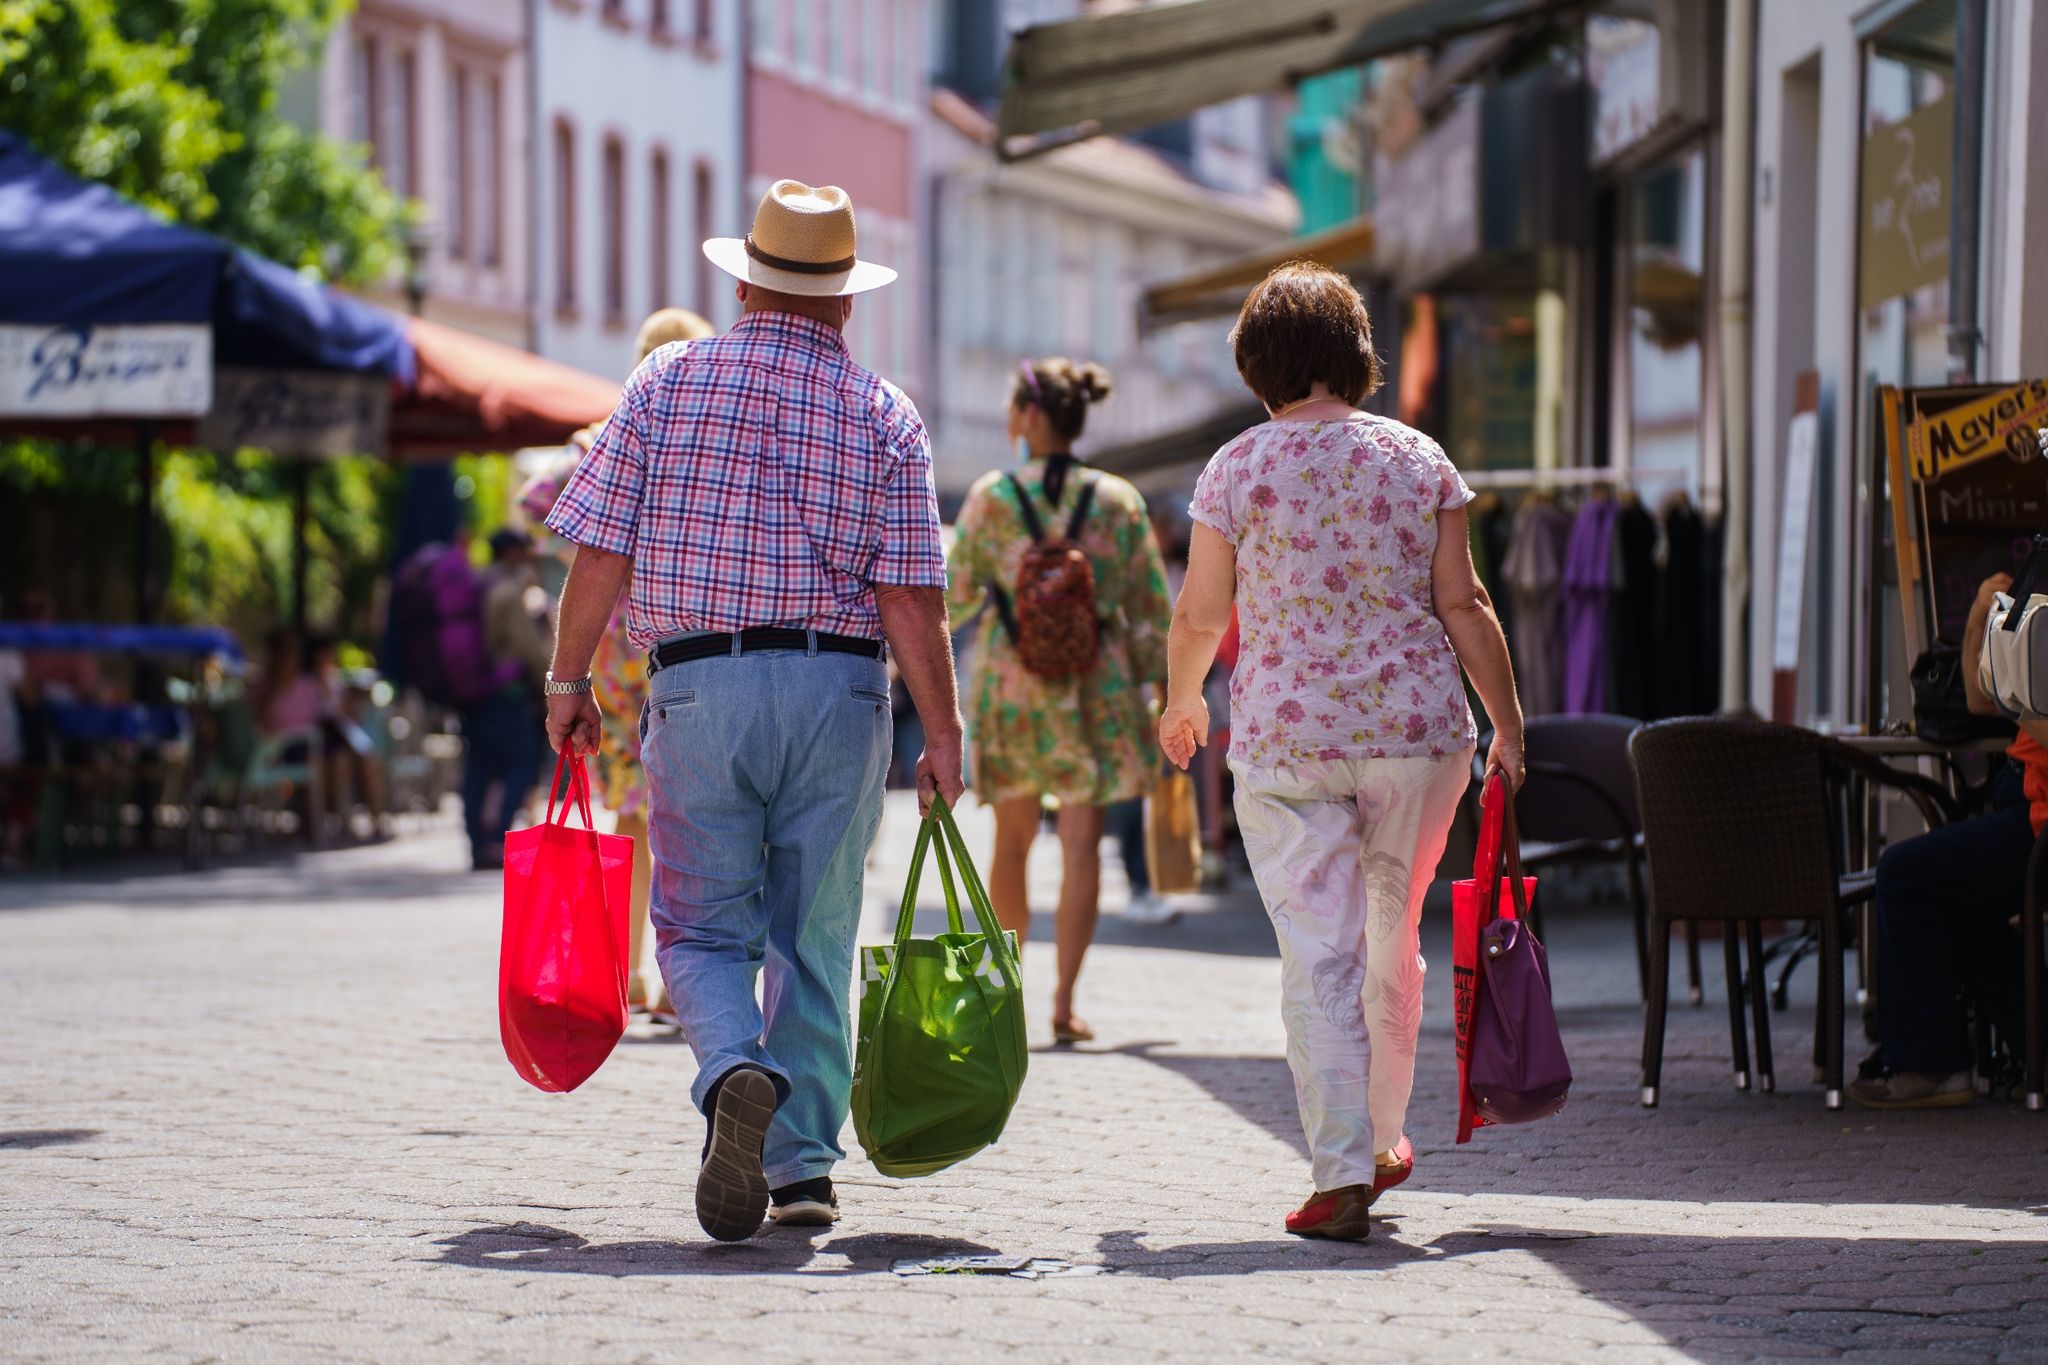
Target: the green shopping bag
(941, 1054)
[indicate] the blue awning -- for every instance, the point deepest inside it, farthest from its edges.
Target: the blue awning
(75, 253)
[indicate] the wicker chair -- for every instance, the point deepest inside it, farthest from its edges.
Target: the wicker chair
(1579, 805)
(1746, 823)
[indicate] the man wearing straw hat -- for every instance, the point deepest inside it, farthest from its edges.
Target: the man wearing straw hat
(772, 503)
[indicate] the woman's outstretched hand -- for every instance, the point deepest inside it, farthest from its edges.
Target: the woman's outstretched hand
(1183, 728)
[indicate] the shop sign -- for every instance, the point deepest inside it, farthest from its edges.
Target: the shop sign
(158, 369)
(297, 412)
(2001, 423)
(1426, 202)
(1622, 65)
(1905, 226)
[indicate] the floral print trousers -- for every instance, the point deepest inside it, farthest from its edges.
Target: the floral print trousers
(1344, 851)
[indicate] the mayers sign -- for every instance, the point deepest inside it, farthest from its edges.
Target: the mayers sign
(159, 369)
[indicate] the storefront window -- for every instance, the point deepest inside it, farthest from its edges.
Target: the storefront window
(1908, 129)
(1663, 264)
(1902, 288)
(1489, 369)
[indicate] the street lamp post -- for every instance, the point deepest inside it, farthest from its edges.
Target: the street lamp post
(418, 243)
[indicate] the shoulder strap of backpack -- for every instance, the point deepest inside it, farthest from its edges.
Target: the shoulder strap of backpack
(1081, 507)
(1031, 521)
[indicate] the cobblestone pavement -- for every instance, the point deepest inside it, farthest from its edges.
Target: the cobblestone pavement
(261, 1113)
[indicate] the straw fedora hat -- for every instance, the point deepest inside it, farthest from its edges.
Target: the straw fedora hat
(802, 243)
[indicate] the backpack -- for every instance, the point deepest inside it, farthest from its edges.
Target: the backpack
(437, 611)
(1052, 619)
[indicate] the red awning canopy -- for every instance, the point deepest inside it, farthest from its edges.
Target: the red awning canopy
(475, 394)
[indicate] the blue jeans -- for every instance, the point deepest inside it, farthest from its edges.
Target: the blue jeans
(501, 746)
(765, 775)
(1944, 902)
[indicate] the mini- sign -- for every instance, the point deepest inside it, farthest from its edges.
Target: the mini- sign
(162, 369)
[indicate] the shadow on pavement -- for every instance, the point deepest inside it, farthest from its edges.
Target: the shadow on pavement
(1605, 1146)
(1126, 1253)
(533, 1247)
(1727, 1298)
(1762, 1298)
(27, 1139)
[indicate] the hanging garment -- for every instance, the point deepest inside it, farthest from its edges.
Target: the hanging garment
(1686, 673)
(1588, 586)
(1533, 569)
(1496, 526)
(1632, 614)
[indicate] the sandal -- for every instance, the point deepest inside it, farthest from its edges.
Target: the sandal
(1075, 1030)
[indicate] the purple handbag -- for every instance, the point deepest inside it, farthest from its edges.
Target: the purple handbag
(1517, 1072)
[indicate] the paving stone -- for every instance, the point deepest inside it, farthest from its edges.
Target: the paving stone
(261, 1113)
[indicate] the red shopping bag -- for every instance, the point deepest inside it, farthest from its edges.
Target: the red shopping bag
(562, 964)
(1470, 911)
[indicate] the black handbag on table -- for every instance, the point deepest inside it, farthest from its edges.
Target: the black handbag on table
(1941, 706)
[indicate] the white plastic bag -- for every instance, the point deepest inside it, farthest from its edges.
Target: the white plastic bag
(2013, 669)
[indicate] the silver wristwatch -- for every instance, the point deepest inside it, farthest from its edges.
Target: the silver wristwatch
(554, 688)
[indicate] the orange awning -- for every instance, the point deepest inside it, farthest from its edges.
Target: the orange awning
(475, 394)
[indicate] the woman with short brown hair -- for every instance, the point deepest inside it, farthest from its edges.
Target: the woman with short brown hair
(1340, 538)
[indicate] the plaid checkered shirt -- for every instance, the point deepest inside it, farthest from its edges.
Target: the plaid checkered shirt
(759, 478)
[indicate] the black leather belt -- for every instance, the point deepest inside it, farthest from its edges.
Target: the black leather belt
(756, 640)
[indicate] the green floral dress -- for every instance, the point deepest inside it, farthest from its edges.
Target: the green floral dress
(1088, 739)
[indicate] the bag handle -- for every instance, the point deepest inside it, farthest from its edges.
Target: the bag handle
(938, 830)
(1507, 857)
(579, 791)
(2023, 582)
(953, 924)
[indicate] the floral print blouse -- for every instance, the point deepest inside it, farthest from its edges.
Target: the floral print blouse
(1343, 656)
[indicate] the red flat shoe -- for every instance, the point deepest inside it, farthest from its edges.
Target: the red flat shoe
(1384, 1178)
(1339, 1216)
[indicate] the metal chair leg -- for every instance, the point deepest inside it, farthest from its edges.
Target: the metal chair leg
(1738, 1034)
(1832, 989)
(1653, 1011)
(1640, 907)
(1692, 962)
(1766, 1069)
(1796, 950)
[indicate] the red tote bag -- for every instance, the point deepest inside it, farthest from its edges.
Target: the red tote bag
(562, 964)
(1470, 912)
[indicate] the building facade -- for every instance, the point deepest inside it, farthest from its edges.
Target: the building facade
(438, 90)
(1881, 259)
(834, 90)
(636, 159)
(1049, 256)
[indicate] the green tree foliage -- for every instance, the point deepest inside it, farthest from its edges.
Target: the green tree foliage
(175, 104)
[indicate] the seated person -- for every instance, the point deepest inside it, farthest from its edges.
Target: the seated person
(304, 694)
(1945, 908)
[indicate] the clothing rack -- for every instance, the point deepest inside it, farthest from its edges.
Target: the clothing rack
(1575, 476)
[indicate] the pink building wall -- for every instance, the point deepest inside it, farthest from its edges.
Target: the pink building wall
(803, 133)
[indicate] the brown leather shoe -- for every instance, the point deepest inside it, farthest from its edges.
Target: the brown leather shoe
(1341, 1215)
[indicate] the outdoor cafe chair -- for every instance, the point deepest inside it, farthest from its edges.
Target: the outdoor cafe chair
(1746, 823)
(1578, 805)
